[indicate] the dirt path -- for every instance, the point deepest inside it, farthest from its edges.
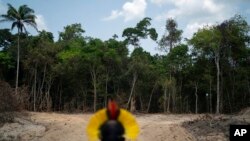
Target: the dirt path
(154, 127)
(65, 127)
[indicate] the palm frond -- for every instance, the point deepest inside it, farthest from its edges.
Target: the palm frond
(29, 17)
(14, 24)
(7, 18)
(12, 12)
(33, 24)
(11, 8)
(25, 30)
(24, 15)
(22, 27)
(25, 10)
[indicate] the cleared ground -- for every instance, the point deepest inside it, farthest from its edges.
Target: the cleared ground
(154, 127)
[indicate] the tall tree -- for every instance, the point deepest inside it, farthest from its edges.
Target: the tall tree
(92, 56)
(208, 40)
(171, 37)
(133, 36)
(235, 38)
(19, 17)
(140, 31)
(138, 65)
(38, 64)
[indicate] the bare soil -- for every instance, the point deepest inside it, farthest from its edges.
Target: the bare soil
(214, 127)
(154, 127)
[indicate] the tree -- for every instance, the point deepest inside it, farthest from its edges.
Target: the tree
(169, 40)
(224, 44)
(138, 66)
(24, 15)
(112, 61)
(92, 56)
(133, 36)
(71, 44)
(6, 38)
(140, 31)
(38, 64)
(234, 46)
(176, 62)
(73, 31)
(208, 40)
(171, 37)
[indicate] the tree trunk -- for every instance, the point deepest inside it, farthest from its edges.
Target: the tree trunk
(169, 94)
(18, 58)
(106, 91)
(132, 104)
(48, 97)
(229, 101)
(60, 94)
(35, 88)
(141, 102)
(60, 97)
(165, 101)
(221, 91)
(210, 95)
(93, 74)
(180, 101)
(170, 46)
(149, 102)
(233, 91)
(132, 88)
(196, 98)
(44, 75)
(173, 98)
(41, 93)
(217, 59)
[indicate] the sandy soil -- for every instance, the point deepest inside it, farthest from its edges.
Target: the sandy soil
(154, 127)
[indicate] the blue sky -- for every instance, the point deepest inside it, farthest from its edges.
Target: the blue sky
(104, 18)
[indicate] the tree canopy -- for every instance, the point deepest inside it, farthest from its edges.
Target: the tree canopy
(207, 73)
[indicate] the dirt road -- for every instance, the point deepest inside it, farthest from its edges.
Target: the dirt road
(65, 127)
(153, 127)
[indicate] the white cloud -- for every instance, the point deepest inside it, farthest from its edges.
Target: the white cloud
(194, 27)
(194, 9)
(40, 21)
(194, 14)
(130, 10)
(114, 14)
(159, 2)
(211, 6)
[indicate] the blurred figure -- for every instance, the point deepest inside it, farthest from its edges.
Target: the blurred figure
(112, 124)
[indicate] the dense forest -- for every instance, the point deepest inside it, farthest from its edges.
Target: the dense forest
(208, 73)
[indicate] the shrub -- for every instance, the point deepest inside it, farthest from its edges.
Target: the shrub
(8, 103)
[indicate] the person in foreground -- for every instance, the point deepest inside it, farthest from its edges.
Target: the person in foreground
(112, 124)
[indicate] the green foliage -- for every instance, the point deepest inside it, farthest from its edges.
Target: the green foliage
(140, 31)
(19, 17)
(6, 60)
(179, 58)
(73, 31)
(78, 72)
(5, 38)
(171, 37)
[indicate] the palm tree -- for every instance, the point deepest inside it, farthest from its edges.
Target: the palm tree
(24, 15)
